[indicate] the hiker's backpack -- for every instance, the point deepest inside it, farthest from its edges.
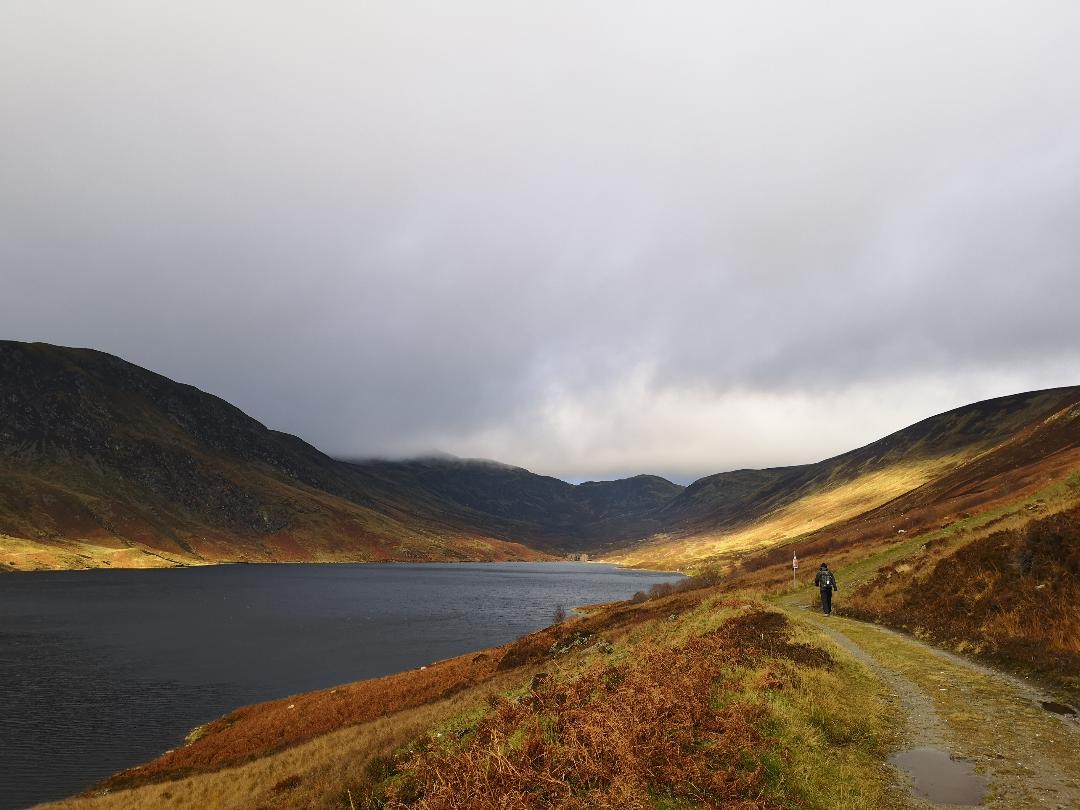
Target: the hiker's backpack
(827, 580)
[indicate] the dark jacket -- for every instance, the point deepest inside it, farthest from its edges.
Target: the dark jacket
(826, 579)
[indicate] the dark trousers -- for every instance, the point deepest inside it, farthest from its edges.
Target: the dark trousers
(826, 600)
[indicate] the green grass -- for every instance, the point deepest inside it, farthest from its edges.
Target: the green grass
(1055, 497)
(822, 727)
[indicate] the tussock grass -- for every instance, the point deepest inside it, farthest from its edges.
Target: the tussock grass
(745, 714)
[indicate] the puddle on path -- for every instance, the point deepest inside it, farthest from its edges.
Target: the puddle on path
(1057, 708)
(939, 778)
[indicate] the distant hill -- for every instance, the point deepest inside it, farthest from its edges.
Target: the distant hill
(538, 508)
(104, 462)
(972, 451)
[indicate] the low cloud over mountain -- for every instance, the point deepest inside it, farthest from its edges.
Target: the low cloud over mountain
(592, 240)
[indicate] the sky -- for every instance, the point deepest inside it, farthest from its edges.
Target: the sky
(589, 238)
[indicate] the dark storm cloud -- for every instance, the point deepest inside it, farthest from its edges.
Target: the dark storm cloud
(591, 238)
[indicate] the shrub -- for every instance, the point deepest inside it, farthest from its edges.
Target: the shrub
(661, 589)
(616, 736)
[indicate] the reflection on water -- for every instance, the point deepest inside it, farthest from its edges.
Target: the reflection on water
(939, 778)
(100, 670)
(1057, 708)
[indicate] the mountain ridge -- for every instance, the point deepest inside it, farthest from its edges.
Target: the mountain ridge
(103, 462)
(778, 505)
(139, 469)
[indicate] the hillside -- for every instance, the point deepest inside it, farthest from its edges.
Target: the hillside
(106, 463)
(963, 458)
(1009, 595)
(689, 698)
(534, 508)
(704, 695)
(724, 691)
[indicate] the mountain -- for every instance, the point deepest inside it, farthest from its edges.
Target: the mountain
(971, 450)
(103, 462)
(539, 508)
(963, 529)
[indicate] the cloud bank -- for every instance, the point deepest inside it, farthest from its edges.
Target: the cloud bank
(593, 239)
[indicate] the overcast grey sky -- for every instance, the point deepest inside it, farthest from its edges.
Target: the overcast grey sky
(590, 238)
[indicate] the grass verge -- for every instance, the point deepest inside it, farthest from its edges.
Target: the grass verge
(749, 713)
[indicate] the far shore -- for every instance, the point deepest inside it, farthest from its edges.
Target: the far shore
(22, 556)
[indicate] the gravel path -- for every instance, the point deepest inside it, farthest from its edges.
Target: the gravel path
(988, 718)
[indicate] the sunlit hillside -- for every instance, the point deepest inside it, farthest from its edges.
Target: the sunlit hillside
(723, 690)
(808, 514)
(103, 463)
(970, 458)
(106, 464)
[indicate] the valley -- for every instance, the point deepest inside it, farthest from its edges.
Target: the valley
(106, 464)
(956, 543)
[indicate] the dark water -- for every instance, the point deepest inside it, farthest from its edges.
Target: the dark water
(1057, 708)
(100, 670)
(939, 778)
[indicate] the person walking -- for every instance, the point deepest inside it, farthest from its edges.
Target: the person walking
(826, 582)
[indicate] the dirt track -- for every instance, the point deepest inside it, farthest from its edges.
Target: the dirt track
(988, 718)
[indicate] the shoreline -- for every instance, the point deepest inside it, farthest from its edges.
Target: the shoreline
(22, 556)
(423, 672)
(157, 562)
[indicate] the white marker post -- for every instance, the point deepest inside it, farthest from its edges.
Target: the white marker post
(794, 568)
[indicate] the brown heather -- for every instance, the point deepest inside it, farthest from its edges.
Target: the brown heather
(1011, 596)
(255, 731)
(694, 699)
(660, 731)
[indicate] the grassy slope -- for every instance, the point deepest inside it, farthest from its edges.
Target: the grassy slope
(489, 727)
(1000, 583)
(934, 472)
(119, 457)
(533, 508)
(810, 513)
(806, 730)
(116, 465)
(697, 697)
(56, 520)
(1010, 595)
(106, 463)
(102, 462)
